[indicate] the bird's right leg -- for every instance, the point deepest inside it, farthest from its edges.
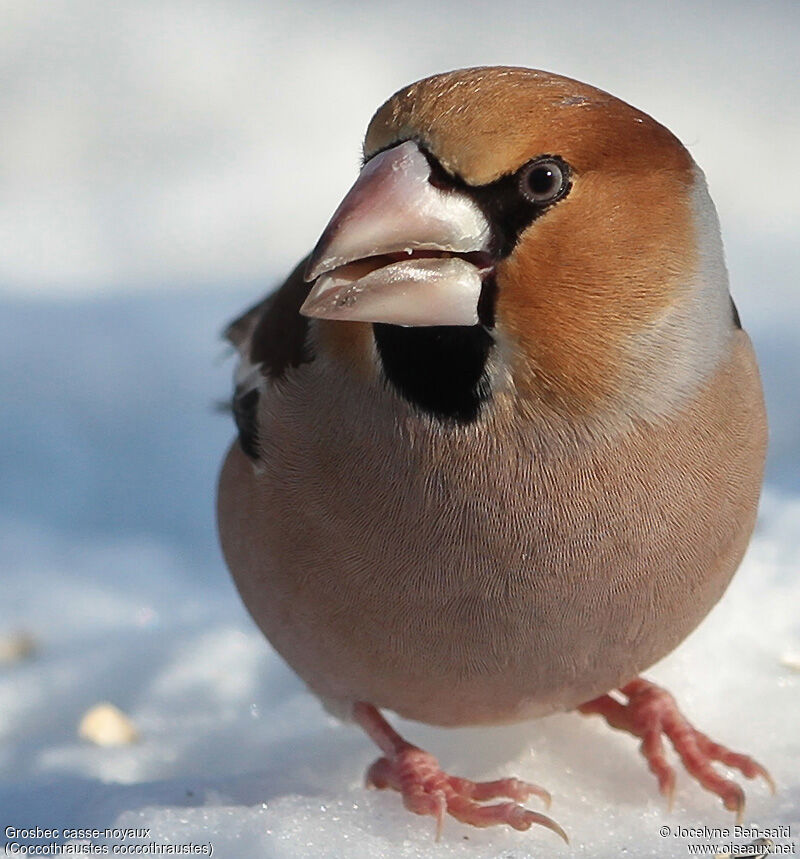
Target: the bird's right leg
(427, 789)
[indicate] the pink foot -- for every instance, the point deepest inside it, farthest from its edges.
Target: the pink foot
(426, 789)
(651, 712)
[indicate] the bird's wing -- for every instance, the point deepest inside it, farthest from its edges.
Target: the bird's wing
(270, 338)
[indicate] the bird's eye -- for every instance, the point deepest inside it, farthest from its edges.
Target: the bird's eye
(544, 181)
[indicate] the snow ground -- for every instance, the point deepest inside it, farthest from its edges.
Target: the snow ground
(121, 584)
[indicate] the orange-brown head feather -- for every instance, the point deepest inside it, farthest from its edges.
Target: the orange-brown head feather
(602, 264)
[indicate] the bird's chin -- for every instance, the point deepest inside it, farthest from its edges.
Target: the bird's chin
(418, 288)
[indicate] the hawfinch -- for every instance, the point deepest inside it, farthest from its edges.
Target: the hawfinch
(501, 435)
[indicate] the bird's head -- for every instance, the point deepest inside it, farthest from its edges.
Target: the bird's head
(517, 233)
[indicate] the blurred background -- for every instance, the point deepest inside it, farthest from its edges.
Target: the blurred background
(162, 165)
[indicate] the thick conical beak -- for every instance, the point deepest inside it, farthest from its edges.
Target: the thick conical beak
(400, 249)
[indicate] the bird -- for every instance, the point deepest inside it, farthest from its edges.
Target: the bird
(501, 434)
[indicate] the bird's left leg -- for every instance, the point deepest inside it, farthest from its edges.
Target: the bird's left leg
(426, 789)
(649, 713)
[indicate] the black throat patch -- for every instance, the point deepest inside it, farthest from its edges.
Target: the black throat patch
(439, 369)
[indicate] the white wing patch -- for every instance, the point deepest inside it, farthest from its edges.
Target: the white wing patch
(248, 385)
(247, 376)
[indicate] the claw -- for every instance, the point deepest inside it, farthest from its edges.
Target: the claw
(669, 794)
(527, 818)
(441, 809)
(736, 803)
(762, 773)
